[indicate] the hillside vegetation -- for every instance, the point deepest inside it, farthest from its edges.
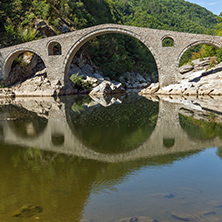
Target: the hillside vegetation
(113, 54)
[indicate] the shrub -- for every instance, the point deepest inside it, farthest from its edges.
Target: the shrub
(219, 55)
(79, 82)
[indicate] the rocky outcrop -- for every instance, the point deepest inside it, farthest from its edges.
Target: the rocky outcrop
(193, 83)
(186, 68)
(89, 72)
(38, 86)
(133, 80)
(153, 88)
(197, 64)
(44, 28)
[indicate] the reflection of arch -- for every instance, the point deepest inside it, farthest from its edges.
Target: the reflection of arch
(10, 58)
(27, 124)
(78, 44)
(207, 42)
(57, 139)
(168, 142)
(167, 41)
(123, 127)
(54, 48)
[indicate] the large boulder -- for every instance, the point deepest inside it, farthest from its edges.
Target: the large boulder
(38, 86)
(186, 68)
(153, 88)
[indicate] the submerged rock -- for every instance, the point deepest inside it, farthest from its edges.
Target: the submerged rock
(185, 217)
(137, 219)
(164, 195)
(27, 211)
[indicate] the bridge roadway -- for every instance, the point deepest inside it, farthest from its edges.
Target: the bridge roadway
(167, 127)
(167, 58)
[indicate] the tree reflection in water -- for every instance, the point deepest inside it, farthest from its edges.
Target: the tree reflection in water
(115, 129)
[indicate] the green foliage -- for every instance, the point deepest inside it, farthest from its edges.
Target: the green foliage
(28, 35)
(219, 55)
(41, 8)
(79, 82)
(116, 54)
(200, 129)
(167, 42)
(198, 52)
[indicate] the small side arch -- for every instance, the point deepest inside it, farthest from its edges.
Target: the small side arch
(167, 41)
(54, 48)
(10, 58)
(101, 31)
(207, 42)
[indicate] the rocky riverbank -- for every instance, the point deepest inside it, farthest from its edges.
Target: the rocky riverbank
(28, 77)
(197, 79)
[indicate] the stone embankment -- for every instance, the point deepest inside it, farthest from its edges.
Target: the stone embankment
(197, 79)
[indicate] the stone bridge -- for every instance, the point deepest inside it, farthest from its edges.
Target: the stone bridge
(167, 58)
(167, 128)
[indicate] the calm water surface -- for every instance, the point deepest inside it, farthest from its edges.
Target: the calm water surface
(77, 160)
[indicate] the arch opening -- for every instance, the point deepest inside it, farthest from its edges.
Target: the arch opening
(199, 50)
(57, 139)
(54, 48)
(21, 65)
(108, 48)
(27, 125)
(168, 142)
(167, 42)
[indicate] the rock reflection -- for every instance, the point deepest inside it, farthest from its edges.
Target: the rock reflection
(130, 130)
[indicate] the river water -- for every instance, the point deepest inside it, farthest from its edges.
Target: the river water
(78, 159)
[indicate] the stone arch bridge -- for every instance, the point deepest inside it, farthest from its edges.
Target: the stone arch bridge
(167, 58)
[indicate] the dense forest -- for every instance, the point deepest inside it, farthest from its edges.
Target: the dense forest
(113, 54)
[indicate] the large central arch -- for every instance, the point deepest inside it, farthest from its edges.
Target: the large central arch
(108, 30)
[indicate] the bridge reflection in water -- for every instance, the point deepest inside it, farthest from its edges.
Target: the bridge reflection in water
(154, 134)
(131, 130)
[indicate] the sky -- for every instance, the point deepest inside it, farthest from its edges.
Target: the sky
(214, 6)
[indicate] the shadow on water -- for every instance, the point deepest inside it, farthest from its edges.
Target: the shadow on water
(117, 128)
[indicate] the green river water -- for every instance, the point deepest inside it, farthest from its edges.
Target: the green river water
(86, 162)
